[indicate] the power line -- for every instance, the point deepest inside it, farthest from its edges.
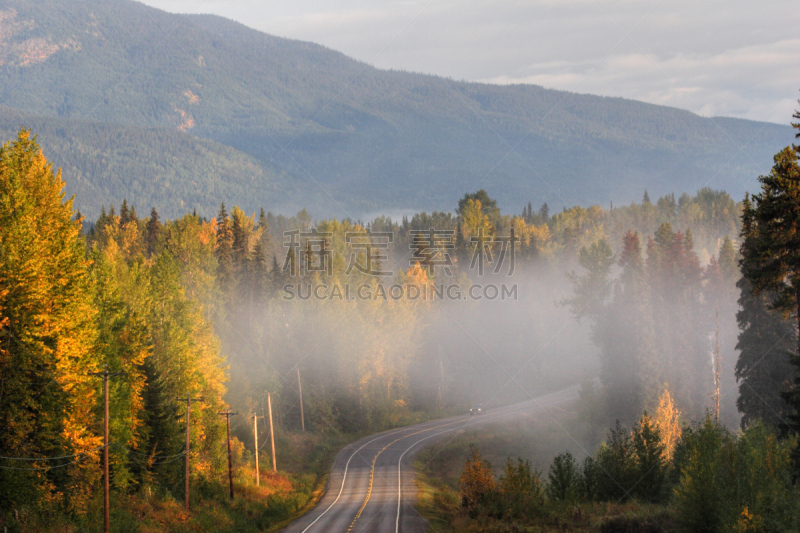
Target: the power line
(53, 458)
(42, 468)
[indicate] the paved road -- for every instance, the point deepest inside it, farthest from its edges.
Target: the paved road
(371, 486)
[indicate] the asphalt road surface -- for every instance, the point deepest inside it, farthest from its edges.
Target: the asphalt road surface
(371, 486)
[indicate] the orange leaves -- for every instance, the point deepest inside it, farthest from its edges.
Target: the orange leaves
(477, 481)
(667, 420)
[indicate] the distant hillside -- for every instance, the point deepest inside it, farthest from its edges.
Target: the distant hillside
(172, 171)
(359, 139)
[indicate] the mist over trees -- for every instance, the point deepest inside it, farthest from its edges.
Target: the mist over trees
(239, 305)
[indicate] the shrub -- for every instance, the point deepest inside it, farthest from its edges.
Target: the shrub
(477, 481)
(650, 473)
(615, 466)
(521, 490)
(705, 460)
(766, 498)
(589, 478)
(564, 479)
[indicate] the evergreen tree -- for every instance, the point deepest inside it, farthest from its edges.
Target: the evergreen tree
(266, 233)
(766, 342)
(544, 213)
(223, 251)
(646, 198)
(771, 261)
(124, 214)
(153, 230)
(727, 260)
(259, 278)
(240, 237)
(103, 221)
(276, 274)
(682, 325)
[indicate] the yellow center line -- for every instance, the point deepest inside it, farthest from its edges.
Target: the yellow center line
(372, 469)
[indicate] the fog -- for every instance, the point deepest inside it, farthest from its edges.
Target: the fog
(388, 355)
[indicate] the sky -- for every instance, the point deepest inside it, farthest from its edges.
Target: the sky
(716, 58)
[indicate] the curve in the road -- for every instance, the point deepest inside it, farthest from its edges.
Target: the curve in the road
(351, 505)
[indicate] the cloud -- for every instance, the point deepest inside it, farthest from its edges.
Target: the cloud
(754, 82)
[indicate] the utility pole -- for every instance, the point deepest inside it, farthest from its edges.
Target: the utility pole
(271, 431)
(105, 374)
(717, 364)
(228, 414)
(188, 401)
(255, 436)
(300, 388)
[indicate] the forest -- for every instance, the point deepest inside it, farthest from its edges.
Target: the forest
(684, 305)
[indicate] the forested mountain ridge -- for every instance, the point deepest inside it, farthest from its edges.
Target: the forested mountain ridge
(373, 139)
(160, 167)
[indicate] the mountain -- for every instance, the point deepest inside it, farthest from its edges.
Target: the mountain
(173, 171)
(346, 138)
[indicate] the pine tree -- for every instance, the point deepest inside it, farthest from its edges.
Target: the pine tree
(240, 237)
(646, 198)
(727, 260)
(275, 274)
(266, 233)
(766, 342)
(260, 276)
(153, 230)
(773, 262)
(768, 254)
(223, 251)
(104, 220)
(680, 324)
(630, 367)
(124, 214)
(544, 213)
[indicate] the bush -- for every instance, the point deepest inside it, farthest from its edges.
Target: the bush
(477, 482)
(521, 490)
(615, 466)
(589, 478)
(564, 479)
(739, 484)
(705, 459)
(629, 465)
(766, 498)
(650, 472)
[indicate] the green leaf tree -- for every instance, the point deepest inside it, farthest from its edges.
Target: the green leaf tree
(48, 332)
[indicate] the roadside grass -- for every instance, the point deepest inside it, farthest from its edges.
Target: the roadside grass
(440, 505)
(280, 498)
